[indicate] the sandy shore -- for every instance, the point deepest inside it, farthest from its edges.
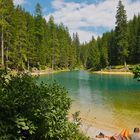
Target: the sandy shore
(47, 71)
(113, 72)
(93, 128)
(91, 131)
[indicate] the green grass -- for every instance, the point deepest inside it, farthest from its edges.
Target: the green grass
(117, 67)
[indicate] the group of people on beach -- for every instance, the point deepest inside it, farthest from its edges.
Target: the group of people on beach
(124, 135)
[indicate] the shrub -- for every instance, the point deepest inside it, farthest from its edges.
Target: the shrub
(34, 111)
(136, 71)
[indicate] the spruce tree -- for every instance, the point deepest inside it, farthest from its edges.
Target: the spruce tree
(19, 49)
(40, 27)
(2, 23)
(31, 54)
(102, 44)
(93, 59)
(84, 54)
(52, 40)
(76, 43)
(6, 18)
(121, 34)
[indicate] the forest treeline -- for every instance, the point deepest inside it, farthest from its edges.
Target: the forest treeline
(29, 41)
(117, 47)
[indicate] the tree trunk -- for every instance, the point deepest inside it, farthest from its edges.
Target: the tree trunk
(28, 65)
(52, 64)
(7, 59)
(2, 48)
(125, 65)
(53, 61)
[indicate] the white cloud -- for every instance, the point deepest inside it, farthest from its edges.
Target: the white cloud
(19, 2)
(84, 35)
(77, 15)
(57, 4)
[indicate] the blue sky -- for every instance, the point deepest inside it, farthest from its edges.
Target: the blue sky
(87, 17)
(29, 5)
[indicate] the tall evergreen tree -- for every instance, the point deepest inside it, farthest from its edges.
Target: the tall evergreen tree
(52, 40)
(40, 27)
(84, 53)
(102, 44)
(76, 43)
(19, 50)
(2, 23)
(6, 14)
(93, 60)
(121, 34)
(31, 54)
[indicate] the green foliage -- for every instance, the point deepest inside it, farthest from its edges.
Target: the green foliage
(6, 22)
(121, 37)
(34, 42)
(93, 59)
(34, 111)
(134, 40)
(76, 43)
(84, 54)
(116, 47)
(136, 71)
(76, 118)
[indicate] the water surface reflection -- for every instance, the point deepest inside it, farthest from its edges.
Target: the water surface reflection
(111, 99)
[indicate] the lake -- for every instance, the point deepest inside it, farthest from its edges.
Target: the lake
(111, 101)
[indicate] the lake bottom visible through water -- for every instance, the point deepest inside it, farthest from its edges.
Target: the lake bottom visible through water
(106, 101)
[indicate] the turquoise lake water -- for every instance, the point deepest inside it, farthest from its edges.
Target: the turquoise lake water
(106, 100)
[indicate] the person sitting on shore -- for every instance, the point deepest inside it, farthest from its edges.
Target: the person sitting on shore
(136, 134)
(124, 135)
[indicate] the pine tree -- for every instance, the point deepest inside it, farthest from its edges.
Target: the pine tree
(19, 50)
(31, 54)
(40, 46)
(121, 33)
(102, 44)
(2, 23)
(93, 60)
(76, 44)
(6, 14)
(52, 40)
(84, 53)
(134, 40)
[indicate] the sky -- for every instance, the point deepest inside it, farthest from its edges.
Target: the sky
(87, 17)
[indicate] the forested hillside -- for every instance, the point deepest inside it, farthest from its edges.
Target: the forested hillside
(29, 41)
(117, 47)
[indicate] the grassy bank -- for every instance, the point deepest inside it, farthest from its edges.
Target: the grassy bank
(113, 73)
(118, 70)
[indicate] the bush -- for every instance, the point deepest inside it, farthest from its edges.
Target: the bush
(136, 71)
(34, 111)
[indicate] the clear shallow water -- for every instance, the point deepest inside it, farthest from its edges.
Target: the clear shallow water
(107, 100)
